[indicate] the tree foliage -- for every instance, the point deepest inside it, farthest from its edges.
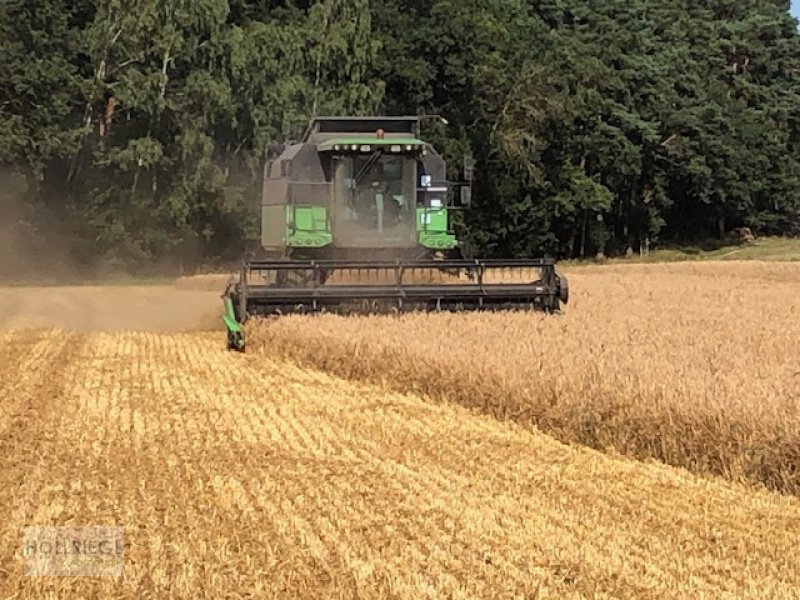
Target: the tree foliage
(598, 126)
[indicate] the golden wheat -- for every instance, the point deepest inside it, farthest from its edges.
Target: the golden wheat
(241, 476)
(697, 365)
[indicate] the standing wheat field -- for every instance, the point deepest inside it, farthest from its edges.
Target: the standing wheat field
(694, 364)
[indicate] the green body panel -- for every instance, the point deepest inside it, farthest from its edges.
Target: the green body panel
(307, 227)
(229, 317)
(235, 332)
(433, 230)
(295, 226)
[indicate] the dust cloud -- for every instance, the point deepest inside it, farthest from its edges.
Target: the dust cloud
(36, 245)
(43, 285)
(111, 308)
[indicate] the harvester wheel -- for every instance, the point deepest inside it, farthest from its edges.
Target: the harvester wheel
(563, 288)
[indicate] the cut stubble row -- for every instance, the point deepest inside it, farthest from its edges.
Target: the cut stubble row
(253, 475)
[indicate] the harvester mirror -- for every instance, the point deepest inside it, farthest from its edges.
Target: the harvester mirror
(466, 196)
(469, 169)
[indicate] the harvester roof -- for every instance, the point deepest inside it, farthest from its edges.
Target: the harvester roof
(322, 129)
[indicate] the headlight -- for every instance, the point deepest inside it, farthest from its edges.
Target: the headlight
(409, 148)
(366, 148)
(397, 148)
(354, 148)
(337, 147)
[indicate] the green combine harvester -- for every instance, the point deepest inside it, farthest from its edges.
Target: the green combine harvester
(355, 217)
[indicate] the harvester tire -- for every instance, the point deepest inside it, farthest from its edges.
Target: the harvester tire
(563, 288)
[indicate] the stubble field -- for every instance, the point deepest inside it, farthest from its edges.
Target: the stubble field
(334, 460)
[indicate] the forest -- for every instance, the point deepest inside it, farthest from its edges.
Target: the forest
(133, 132)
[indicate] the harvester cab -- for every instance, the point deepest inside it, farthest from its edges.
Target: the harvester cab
(356, 217)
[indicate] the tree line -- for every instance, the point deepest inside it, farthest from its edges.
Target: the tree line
(132, 132)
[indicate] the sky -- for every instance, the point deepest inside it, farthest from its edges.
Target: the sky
(796, 8)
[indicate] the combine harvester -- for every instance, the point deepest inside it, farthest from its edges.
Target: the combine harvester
(355, 218)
